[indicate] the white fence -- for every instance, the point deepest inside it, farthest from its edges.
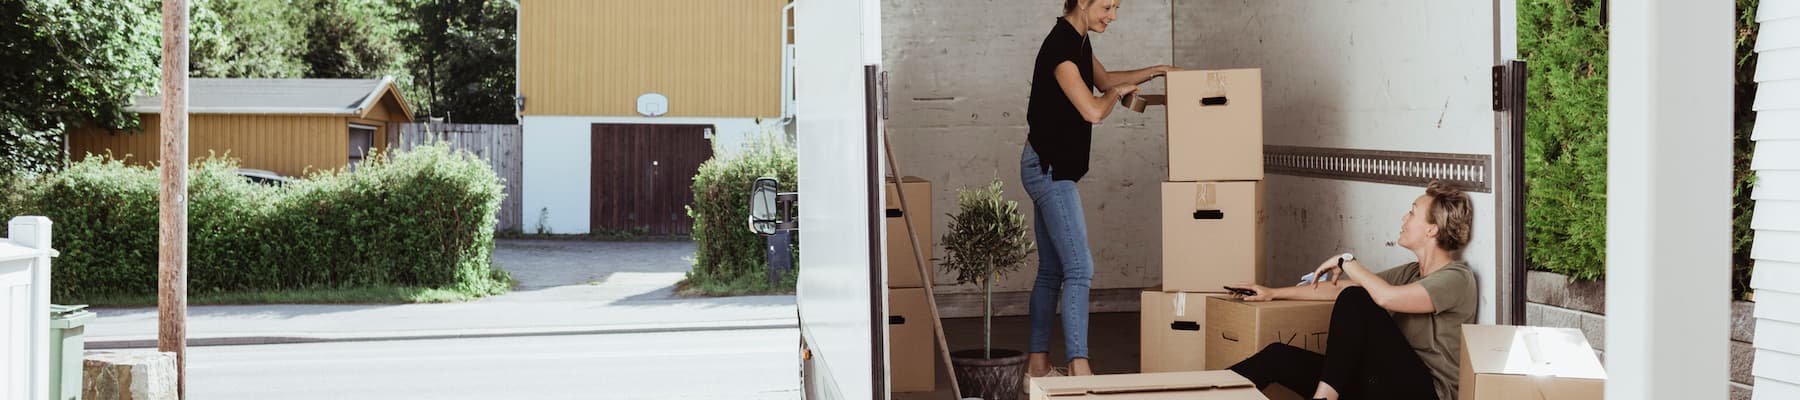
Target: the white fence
(498, 144)
(25, 302)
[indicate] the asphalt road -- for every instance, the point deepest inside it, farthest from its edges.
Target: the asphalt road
(744, 364)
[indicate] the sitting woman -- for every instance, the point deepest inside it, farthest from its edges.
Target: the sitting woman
(1395, 334)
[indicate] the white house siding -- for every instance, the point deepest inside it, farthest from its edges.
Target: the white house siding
(1777, 196)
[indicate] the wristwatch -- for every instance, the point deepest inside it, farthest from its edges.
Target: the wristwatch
(1346, 257)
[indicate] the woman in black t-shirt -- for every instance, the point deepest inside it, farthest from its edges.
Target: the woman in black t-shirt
(1061, 113)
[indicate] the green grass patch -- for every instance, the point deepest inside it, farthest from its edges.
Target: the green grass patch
(741, 285)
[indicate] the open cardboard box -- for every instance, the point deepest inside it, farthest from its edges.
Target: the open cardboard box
(1528, 363)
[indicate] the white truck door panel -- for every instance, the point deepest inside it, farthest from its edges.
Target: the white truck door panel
(839, 298)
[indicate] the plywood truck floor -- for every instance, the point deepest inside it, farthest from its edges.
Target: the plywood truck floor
(1113, 341)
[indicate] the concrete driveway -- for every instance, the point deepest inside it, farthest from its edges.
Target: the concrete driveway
(573, 270)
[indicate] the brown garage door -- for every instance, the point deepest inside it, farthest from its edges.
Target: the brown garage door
(643, 177)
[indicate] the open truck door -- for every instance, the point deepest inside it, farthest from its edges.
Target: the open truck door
(841, 296)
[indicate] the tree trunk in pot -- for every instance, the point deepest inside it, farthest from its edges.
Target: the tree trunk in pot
(1001, 377)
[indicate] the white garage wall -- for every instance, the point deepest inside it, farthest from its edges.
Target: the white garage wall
(558, 155)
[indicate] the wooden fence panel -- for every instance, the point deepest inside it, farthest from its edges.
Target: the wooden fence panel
(499, 145)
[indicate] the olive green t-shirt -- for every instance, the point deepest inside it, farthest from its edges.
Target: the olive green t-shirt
(1437, 336)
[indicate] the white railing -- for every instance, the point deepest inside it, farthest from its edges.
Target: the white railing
(25, 302)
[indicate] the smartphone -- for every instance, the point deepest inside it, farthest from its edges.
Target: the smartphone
(1241, 291)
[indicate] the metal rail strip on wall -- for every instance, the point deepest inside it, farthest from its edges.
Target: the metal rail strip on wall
(1469, 172)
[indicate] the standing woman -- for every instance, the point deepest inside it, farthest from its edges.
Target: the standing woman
(1061, 116)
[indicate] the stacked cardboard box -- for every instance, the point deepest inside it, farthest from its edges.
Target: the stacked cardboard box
(911, 339)
(1212, 234)
(1212, 204)
(1212, 213)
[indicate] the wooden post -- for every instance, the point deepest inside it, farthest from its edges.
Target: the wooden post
(171, 288)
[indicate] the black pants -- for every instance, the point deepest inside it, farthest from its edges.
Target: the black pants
(1369, 357)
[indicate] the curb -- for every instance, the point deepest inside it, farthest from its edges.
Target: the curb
(144, 342)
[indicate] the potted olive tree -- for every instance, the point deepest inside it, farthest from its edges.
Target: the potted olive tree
(988, 238)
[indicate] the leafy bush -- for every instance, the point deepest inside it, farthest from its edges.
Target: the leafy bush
(1565, 166)
(422, 218)
(1565, 137)
(730, 259)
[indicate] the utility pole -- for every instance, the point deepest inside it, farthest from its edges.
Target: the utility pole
(171, 283)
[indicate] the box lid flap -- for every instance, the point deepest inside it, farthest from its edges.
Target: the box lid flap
(1142, 383)
(1531, 351)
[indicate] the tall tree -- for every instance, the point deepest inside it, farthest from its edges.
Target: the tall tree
(463, 57)
(69, 64)
(247, 39)
(349, 39)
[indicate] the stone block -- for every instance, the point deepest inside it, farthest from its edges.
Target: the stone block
(1553, 317)
(1554, 289)
(1546, 287)
(128, 375)
(1743, 321)
(1740, 391)
(1743, 356)
(1594, 326)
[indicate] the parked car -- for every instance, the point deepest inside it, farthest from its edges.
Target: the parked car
(263, 177)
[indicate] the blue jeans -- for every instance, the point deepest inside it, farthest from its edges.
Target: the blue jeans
(1065, 267)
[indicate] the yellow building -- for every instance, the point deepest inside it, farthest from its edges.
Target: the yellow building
(620, 101)
(287, 126)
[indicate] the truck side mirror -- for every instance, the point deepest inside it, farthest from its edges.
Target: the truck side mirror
(769, 208)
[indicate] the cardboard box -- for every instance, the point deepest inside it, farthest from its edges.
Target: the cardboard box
(1215, 125)
(1171, 332)
(911, 342)
(1528, 363)
(1212, 235)
(1237, 329)
(1192, 385)
(903, 270)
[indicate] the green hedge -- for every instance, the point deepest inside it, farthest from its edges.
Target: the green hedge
(422, 218)
(1744, 121)
(1565, 44)
(730, 259)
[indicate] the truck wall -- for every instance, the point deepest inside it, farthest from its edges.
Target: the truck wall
(959, 77)
(1419, 81)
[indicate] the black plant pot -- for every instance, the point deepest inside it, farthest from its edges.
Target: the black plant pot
(999, 378)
